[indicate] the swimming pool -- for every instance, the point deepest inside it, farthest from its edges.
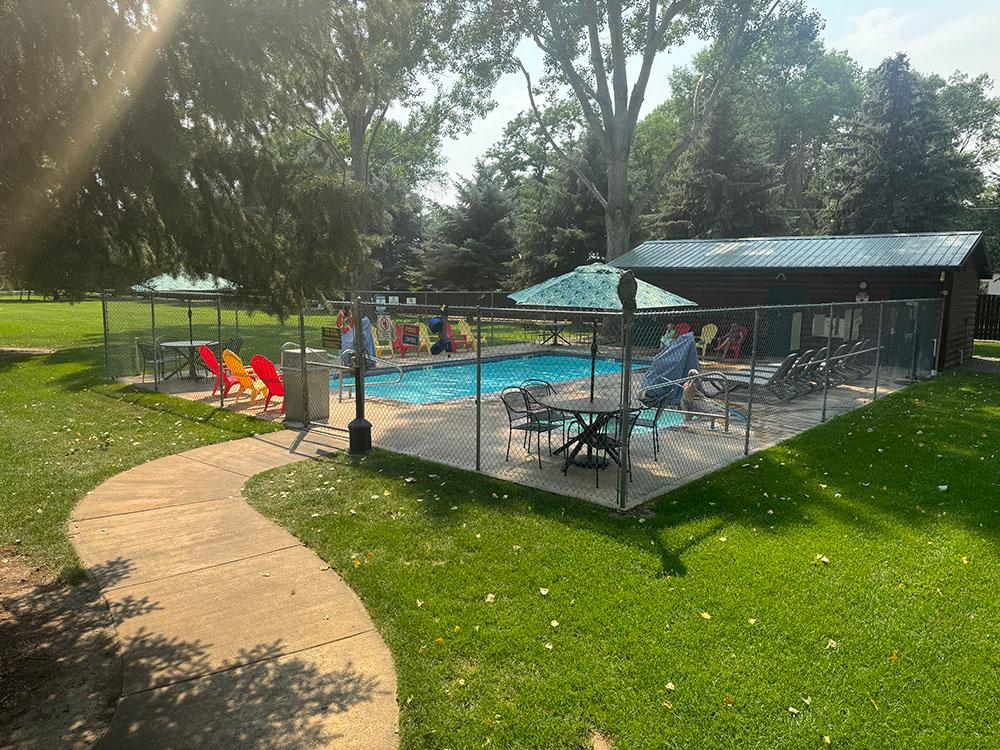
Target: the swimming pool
(431, 384)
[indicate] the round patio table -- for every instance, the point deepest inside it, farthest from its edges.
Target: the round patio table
(187, 350)
(592, 415)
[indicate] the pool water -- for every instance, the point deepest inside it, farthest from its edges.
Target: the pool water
(428, 385)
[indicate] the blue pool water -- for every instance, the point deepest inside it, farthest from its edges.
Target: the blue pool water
(428, 385)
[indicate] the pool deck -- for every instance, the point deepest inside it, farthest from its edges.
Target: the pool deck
(445, 432)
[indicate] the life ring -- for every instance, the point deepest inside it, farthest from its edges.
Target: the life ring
(340, 321)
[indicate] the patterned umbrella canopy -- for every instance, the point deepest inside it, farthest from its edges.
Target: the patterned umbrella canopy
(594, 287)
(182, 283)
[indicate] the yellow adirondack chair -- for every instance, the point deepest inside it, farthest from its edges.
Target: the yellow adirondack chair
(246, 381)
(706, 337)
(461, 325)
(425, 338)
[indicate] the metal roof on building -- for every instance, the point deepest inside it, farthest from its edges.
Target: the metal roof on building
(928, 250)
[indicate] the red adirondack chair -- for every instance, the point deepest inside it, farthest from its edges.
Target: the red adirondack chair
(681, 329)
(227, 379)
(265, 370)
(732, 342)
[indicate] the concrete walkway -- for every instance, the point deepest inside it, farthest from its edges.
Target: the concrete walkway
(233, 633)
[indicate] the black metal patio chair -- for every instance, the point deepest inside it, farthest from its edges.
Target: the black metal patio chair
(535, 387)
(521, 418)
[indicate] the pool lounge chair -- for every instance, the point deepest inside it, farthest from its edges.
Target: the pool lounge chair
(773, 382)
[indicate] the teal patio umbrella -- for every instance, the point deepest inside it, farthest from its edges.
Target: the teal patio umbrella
(594, 287)
(185, 286)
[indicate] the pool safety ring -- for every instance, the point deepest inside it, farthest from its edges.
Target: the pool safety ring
(340, 321)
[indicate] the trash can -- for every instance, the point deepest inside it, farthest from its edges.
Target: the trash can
(317, 380)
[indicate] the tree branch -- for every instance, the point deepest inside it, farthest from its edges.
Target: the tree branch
(558, 149)
(701, 118)
(559, 51)
(597, 62)
(654, 38)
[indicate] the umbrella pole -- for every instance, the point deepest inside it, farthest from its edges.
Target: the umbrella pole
(190, 324)
(593, 360)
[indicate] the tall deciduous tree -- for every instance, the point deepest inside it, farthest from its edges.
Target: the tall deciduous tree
(376, 56)
(587, 47)
(896, 166)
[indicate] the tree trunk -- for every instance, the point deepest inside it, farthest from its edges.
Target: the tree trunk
(357, 127)
(618, 214)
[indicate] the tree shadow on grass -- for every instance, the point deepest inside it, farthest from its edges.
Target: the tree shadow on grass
(833, 473)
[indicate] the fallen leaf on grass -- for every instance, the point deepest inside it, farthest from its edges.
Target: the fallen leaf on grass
(490, 598)
(706, 616)
(548, 645)
(894, 656)
(832, 643)
(671, 687)
(728, 701)
(543, 592)
(794, 711)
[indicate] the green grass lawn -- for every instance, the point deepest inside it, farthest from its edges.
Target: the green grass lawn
(840, 585)
(64, 430)
(81, 324)
(987, 348)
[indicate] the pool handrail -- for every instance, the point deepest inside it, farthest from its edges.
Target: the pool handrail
(335, 364)
(680, 382)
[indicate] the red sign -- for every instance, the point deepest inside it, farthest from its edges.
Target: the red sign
(411, 334)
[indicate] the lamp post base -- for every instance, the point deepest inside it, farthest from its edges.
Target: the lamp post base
(359, 436)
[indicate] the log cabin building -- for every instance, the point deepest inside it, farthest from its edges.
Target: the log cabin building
(808, 270)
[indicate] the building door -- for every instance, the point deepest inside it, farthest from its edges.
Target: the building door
(784, 327)
(918, 324)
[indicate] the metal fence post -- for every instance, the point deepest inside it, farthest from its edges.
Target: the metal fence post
(915, 307)
(479, 387)
(156, 346)
(303, 365)
(360, 429)
(878, 350)
(826, 365)
(218, 346)
(753, 374)
(107, 337)
(624, 416)
(939, 352)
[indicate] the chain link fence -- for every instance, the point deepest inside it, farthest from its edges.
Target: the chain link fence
(538, 396)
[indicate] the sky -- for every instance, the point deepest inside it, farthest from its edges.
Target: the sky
(939, 37)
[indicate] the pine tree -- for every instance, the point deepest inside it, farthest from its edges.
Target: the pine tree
(727, 188)
(896, 167)
(471, 242)
(560, 225)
